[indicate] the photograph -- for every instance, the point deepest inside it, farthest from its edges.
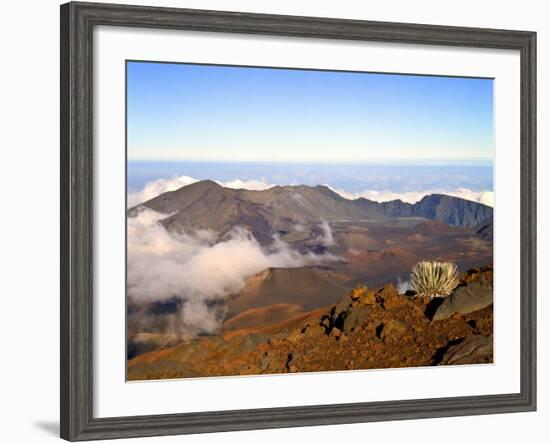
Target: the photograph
(284, 220)
(241, 222)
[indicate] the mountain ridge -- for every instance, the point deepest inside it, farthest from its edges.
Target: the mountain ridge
(301, 210)
(454, 211)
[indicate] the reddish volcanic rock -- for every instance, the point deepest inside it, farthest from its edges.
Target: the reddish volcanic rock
(366, 329)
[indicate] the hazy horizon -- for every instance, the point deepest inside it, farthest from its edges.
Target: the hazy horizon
(377, 182)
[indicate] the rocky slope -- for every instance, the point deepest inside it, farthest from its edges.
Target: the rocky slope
(367, 328)
(484, 229)
(306, 287)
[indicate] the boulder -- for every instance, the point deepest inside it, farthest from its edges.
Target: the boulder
(363, 296)
(386, 293)
(369, 298)
(314, 330)
(326, 321)
(295, 335)
(474, 349)
(355, 317)
(343, 304)
(389, 297)
(471, 297)
(358, 292)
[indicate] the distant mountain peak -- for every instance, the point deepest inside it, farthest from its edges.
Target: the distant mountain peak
(452, 198)
(324, 188)
(454, 211)
(205, 184)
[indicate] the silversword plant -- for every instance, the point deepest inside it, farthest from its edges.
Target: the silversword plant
(432, 279)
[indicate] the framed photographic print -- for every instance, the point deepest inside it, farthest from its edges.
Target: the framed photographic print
(272, 221)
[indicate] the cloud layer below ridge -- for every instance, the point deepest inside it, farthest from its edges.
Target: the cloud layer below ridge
(161, 185)
(196, 269)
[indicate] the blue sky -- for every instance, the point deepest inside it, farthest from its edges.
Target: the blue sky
(216, 113)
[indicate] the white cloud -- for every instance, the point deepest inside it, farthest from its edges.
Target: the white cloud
(253, 185)
(327, 239)
(403, 286)
(157, 187)
(162, 265)
(162, 185)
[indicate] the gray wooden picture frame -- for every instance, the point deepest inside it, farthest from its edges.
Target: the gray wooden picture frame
(77, 23)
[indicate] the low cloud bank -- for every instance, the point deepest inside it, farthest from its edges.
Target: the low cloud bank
(157, 187)
(197, 269)
(161, 185)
